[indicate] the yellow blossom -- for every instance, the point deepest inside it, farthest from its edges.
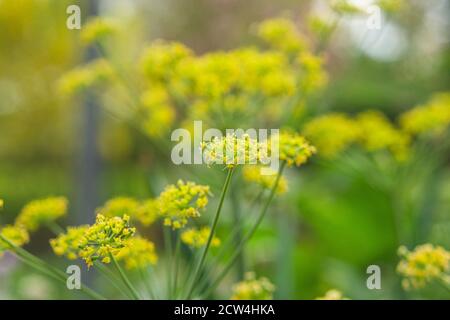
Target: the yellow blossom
(147, 212)
(197, 238)
(253, 289)
(281, 34)
(424, 264)
(157, 112)
(117, 207)
(68, 244)
(97, 29)
(137, 253)
(266, 181)
(41, 212)
(17, 235)
(332, 294)
(181, 201)
(293, 148)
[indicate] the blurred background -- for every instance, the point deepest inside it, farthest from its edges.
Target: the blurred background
(339, 215)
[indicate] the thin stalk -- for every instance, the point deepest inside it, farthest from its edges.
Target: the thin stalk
(211, 235)
(175, 266)
(113, 279)
(251, 233)
(148, 288)
(54, 227)
(169, 249)
(125, 278)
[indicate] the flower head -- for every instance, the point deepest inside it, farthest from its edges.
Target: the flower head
(424, 264)
(293, 148)
(332, 294)
(40, 212)
(281, 34)
(147, 212)
(137, 253)
(16, 235)
(97, 29)
(68, 244)
(105, 237)
(197, 238)
(266, 181)
(118, 207)
(253, 289)
(181, 201)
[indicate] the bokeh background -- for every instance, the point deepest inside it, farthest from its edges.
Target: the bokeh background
(339, 215)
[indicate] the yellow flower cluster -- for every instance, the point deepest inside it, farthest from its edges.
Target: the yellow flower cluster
(95, 73)
(181, 201)
(197, 238)
(332, 294)
(391, 5)
(2, 203)
(332, 133)
(41, 212)
(424, 264)
(16, 235)
(137, 253)
(232, 151)
(266, 181)
(107, 236)
(433, 117)
(345, 7)
(146, 212)
(293, 148)
(68, 244)
(97, 29)
(281, 34)
(253, 289)
(378, 133)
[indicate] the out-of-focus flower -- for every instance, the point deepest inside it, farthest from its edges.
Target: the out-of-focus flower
(332, 294)
(377, 133)
(293, 148)
(432, 117)
(424, 264)
(95, 73)
(137, 253)
(158, 114)
(68, 244)
(197, 238)
(41, 212)
(232, 151)
(281, 34)
(266, 181)
(2, 203)
(253, 289)
(97, 29)
(332, 133)
(147, 212)
(107, 236)
(345, 7)
(17, 235)
(118, 207)
(181, 201)
(391, 5)
(321, 27)
(313, 76)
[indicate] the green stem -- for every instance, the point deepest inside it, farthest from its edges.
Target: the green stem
(125, 278)
(55, 228)
(113, 279)
(146, 284)
(169, 249)
(175, 260)
(251, 233)
(211, 235)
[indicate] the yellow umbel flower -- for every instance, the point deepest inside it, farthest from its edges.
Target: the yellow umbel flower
(197, 238)
(332, 294)
(432, 117)
(137, 253)
(253, 289)
(424, 264)
(118, 207)
(40, 212)
(97, 29)
(293, 148)
(17, 235)
(332, 133)
(106, 236)
(281, 34)
(377, 133)
(345, 7)
(147, 212)
(181, 201)
(68, 244)
(76, 80)
(2, 203)
(391, 5)
(232, 151)
(253, 174)
(157, 111)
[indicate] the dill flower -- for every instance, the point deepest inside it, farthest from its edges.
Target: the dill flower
(253, 289)
(345, 7)
(41, 212)
(232, 151)
(2, 203)
(266, 181)
(83, 77)
(332, 133)
(137, 253)
(147, 212)
(333, 294)
(15, 234)
(97, 29)
(391, 5)
(377, 132)
(68, 244)
(293, 148)
(422, 265)
(281, 34)
(197, 238)
(158, 114)
(106, 236)
(432, 117)
(118, 207)
(181, 201)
